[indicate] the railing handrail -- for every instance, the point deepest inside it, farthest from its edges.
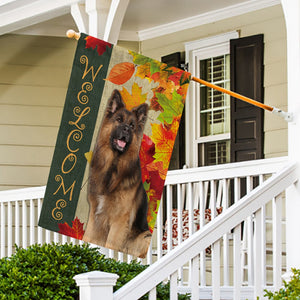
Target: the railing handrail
(240, 169)
(207, 235)
(23, 194)
(230, 170)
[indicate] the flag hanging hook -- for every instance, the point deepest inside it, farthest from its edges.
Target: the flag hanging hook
(285, 115)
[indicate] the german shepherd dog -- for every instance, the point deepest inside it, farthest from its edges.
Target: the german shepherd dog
(117, 199)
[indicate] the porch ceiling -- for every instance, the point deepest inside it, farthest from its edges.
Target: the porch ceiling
(144, 19)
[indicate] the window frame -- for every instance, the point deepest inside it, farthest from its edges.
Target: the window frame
(196, 51)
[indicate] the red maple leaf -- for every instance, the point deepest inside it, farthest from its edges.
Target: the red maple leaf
(76, 231)
(176, 76)
(146, 155)
(94, 43)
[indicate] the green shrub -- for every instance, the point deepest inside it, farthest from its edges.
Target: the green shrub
(290, 291)
(46, 272)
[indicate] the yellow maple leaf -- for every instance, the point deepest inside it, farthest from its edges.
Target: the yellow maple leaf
(135, 98)
(143, 71)
(164, 137)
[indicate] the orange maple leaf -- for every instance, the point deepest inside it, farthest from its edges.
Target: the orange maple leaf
(163, 136)
(135, 98)
(121, 73)
(159, 167)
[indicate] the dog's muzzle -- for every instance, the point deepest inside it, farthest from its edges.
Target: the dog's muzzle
(121, 138)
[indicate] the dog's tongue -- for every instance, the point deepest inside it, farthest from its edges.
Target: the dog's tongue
(121, 143)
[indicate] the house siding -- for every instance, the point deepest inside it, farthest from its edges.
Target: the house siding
(35, 72)
(34, 76)
(271, 23)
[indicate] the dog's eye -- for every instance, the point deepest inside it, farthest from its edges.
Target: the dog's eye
(119, 119)
(132, 125)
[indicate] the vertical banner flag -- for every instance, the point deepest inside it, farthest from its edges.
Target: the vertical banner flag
(114, 145)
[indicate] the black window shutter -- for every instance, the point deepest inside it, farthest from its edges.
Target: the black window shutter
(246, 78)
(178, 156)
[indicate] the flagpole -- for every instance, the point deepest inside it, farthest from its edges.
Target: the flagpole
(285, 115)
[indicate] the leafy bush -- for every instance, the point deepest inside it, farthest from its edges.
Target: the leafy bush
(290, 291)
(47, 271)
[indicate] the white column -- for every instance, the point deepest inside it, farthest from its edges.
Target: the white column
(96, 285)
(292, 17)
(98, 11)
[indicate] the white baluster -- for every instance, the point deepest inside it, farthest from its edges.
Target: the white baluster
(9, 229)
(194, 281)
(202, 222)
(249, 229)
(179, 228)
(17, 223)
(152, 294)
(237, 268)
(24, 224)
(215, 260)
(32, 223)
(258, 287)
(173, 286)
(159, 230)
(277, 241)
(169, 217)
(2, 224)
(225, 205)
(40, 230)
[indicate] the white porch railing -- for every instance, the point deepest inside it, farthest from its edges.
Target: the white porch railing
(187, 191)
(250, 206)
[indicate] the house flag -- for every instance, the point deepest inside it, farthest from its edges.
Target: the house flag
(119, 124)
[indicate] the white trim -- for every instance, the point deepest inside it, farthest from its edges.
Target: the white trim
(206, 18)
(214, 138)
(211, 42)
(195, 50)
(114, 20)
(13, 19)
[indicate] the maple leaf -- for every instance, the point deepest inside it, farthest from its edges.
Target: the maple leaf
(121, 73)
(135, 98)
(152, 213)
(92, 42)
(176, 76)
(185, 78)
(171, 108)
(163, 137)
(157, 168)
(76, 231)
(143, 71)
(140, 59)
(147, 151)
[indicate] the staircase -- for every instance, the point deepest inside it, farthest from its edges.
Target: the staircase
(234, 255)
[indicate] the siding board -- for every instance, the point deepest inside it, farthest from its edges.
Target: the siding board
(28, 135)
(30, 115)
(32, 95)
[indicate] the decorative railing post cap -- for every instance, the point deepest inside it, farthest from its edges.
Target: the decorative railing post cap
(96, 278)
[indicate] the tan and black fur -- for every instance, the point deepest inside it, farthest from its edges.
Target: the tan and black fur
(117, 199)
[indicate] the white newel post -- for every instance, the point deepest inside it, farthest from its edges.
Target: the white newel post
(96, 285)
(292, 18)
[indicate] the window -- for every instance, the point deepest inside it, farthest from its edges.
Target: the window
(208, 110)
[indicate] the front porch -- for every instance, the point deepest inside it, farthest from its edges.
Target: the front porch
(235, 255)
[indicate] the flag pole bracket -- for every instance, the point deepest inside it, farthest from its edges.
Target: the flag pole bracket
(285, 115)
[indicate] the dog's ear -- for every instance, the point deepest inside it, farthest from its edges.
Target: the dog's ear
(115, 102)
(141, 114)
